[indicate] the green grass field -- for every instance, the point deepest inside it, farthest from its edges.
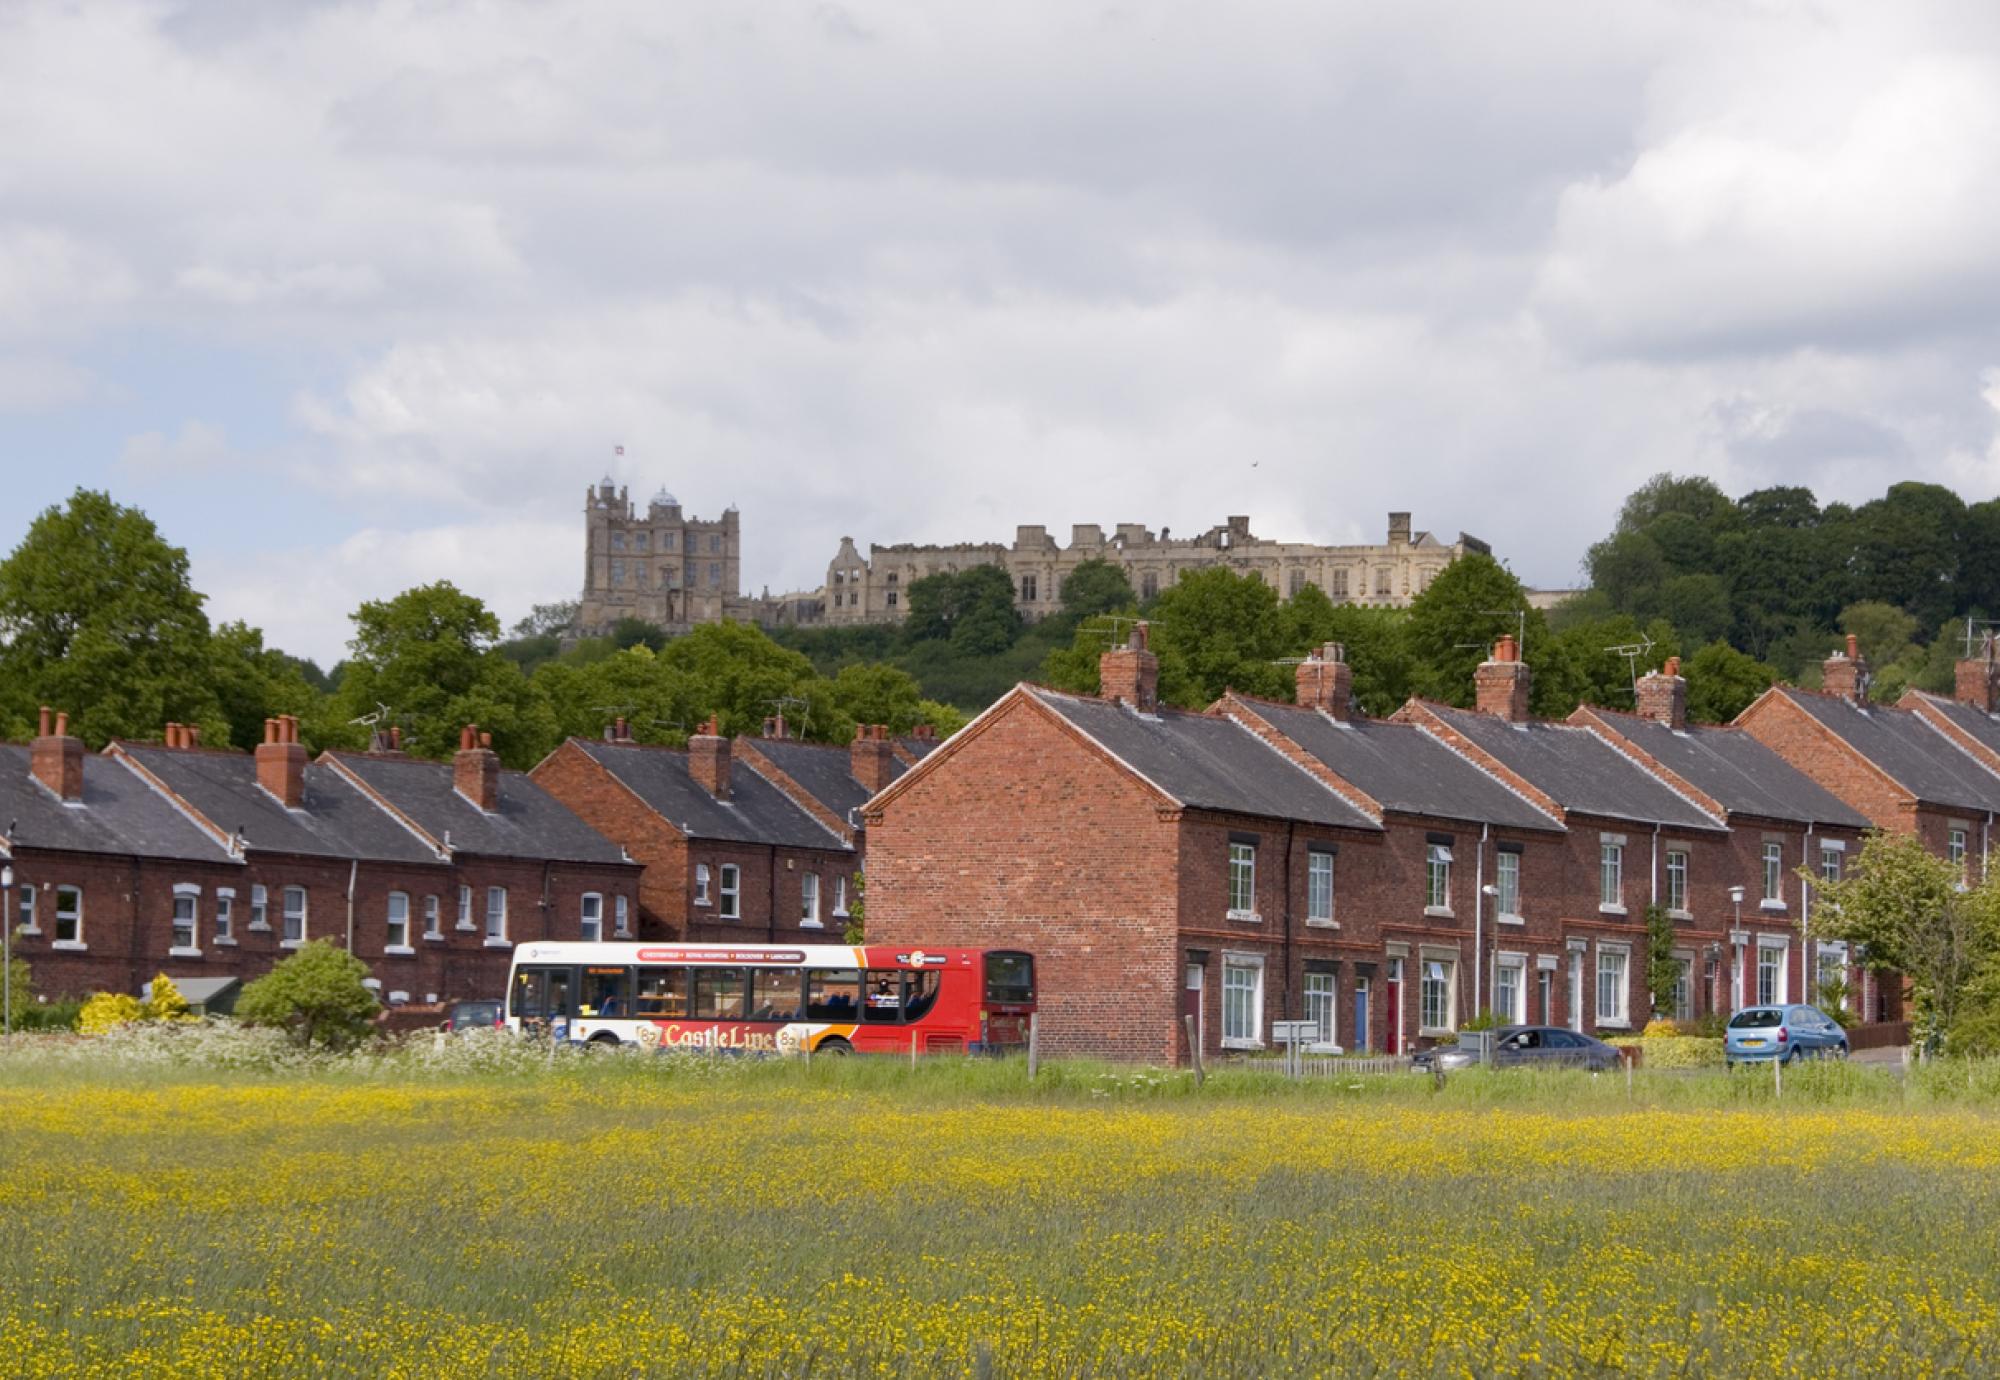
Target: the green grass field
(493, 1213)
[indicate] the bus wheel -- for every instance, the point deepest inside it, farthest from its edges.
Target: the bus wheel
(834, 1046)
(602, 1041)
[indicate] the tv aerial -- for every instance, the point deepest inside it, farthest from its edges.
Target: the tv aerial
(1632, 651)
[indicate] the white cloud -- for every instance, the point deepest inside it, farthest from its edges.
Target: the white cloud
(196, 447)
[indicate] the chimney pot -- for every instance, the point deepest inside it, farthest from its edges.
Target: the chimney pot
(281, 763)
(475, 770)
(1847, 676)
(44, 730)
(1662, 695)
(1500, 685)
(1130, 675)
(395, 738)
(709, 760)
(870, 756)
(1324, 681)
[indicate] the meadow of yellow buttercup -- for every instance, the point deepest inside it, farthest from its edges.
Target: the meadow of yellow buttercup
(608, 1218)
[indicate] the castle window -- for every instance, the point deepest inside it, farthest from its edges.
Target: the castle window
(617, 541)
(1027, 589)
(892, 597)
(892, 577)
(1382, 582)
(714, 544)
(1340, 583)
(642, 540)
(669, 540)
(1149, 585)
(618, 572)
(714, 573)
(1295, 582)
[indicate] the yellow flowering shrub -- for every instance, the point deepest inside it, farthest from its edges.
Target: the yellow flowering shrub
(166, 1002)
(109, 1010)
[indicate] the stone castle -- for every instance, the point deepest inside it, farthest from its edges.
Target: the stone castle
(674, 571)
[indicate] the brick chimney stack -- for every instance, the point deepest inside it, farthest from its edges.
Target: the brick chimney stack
(1979, 678)
(1326, 682)
(1847, 674)
(619, 730)
(475, 769)
(869, 756)
(1663, 695)
(708, 759)
(56, 759)
(1501, 683)
(1130, 675)
(281, 761)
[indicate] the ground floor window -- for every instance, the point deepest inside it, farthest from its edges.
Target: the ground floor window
(1683, 996)
(1434, 1003)
(1319, 1005)
(1770, 974)
(1833, 978)
(69, 915)
(1243, 1001)
(1612, 967)
(1510, 991)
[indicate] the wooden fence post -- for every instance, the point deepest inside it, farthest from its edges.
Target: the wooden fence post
(1034, 1047)
(1194, 1047)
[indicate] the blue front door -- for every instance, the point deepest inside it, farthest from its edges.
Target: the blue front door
(1361, 1013)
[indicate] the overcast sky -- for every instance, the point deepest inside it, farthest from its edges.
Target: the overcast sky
(355, 296)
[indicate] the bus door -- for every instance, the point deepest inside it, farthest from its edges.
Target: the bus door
(543, 997)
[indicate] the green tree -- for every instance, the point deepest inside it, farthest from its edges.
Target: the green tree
(97, 616)
(1908, 911)
(545, 620)
(1698, 607)
(1376, 639)
(658, 703)
(1096, 586)
(318, 995)
(1663, 970)
(743, 677)
(1215, 630)
(1455, 622)
(1692, 496)
(1906, 549)
(20, 1010)
(1579, 666)
(879, 694)
(254, 683)
(1722, 682)
(973, 609)
(1075, 667)
(428, 656)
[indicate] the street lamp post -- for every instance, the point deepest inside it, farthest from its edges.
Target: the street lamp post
(1736, 949)
(7, 951)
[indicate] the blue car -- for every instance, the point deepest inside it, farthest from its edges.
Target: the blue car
(1784, 1033)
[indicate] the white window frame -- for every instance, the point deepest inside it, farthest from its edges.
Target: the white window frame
(809, 901)
(1322, 991)
(1837, 953)
(396, 923)
(1678, 868)
(260, 907)
(1437, 879)
(75, 942)
(1437, 975)
(1244, 963)
(433, 917)
(1954, 847)
(1682, 998)
(621, 910)
(1780, 973)
(496, 910)
(223, 929)
(1319, 888)
(701, 884)
(26, 913)
(1618, 956)
(1611, 877)
(1832, 859)
(1241, 881)
(840, 895)
(1507, 882)
(286, 939)
(590, 917)
(189, 892)
(465, 921)
(1773, 897)
(1516, 1011)
(729, 892)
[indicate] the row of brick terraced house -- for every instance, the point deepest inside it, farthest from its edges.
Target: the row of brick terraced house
(210, 865)
(1390, 879)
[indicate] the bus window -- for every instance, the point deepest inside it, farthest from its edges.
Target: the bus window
(718, 994)
(920, 993)
(1010, 979)
(606, 993)
(833, 994)
(774, 994)
(542, 994)
(663, 994)
(885, 997)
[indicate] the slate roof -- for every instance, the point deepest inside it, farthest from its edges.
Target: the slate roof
(120, 813)
(1578, 770)
(530, 822)
(919, 748)
(1405, 769)
(756, 811)
(1736, 770)
(1207, 762)
(822, 772)
(336, 821)
(1915, 755)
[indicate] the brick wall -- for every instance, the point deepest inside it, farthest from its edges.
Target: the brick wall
(1802, 741)
(1024, 837)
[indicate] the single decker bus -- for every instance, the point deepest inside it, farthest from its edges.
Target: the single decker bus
(807, 998)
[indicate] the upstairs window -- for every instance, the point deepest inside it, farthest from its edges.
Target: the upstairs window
(1437, 877)
(1507, 881)
(1829, 863)
(593, 917)
(1677, 879)
(295, 915)
(399, 920)
(1954, 849)
(622, 912)
(225, 916)
(1243, 879)
(496, 915)
(465, 907)
(186, 899)
(433, 918)
(1774, 873)
(1611, 876)
(809, 899)
(732, 892)
(1319, 888)
(69, 915)
(260, 908)
(701, 884)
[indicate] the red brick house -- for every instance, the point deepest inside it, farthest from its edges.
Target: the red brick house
(1780, 820)
(212, 864)
(729, 851)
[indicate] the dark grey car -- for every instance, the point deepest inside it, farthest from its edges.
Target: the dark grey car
(1528, 1047)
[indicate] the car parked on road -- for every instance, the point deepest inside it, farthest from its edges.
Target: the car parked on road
(1782, 1032)
(1525, 1046)
(475, 1015)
